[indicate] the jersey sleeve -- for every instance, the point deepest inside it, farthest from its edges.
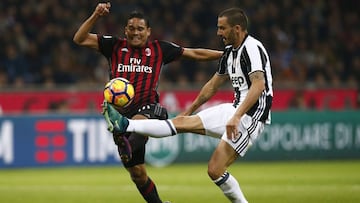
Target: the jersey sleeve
(171, 51)
(222, 65)
(106, 44)
(255, 57)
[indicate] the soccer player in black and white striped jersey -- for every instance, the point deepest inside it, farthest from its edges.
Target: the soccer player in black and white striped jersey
(246, 63)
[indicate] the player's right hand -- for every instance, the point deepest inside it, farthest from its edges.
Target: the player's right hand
(103, 9)
(232, 131)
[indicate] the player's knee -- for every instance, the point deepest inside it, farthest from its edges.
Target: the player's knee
(137, 141)
(138, 176)
(213, 172)
(188, 124)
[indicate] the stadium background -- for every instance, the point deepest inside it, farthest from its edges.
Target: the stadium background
(51, 89)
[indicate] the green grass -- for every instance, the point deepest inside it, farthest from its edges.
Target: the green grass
(330, 182)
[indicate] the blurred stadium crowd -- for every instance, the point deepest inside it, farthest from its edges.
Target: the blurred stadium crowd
(312, 43)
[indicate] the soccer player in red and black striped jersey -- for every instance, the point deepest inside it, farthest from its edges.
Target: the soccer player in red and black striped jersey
(140, 61)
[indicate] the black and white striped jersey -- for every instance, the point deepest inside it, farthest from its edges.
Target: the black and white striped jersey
(239, 63)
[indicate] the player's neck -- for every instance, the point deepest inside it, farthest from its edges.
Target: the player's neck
(242, 38)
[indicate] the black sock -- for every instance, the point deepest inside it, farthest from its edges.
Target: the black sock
(149, 192)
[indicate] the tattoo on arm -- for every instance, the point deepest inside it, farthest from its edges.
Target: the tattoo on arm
(257, 75)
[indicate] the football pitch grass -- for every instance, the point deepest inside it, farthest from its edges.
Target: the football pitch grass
(312, 181)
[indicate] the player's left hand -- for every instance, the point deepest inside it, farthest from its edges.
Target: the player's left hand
(232, 131)
(103, 9)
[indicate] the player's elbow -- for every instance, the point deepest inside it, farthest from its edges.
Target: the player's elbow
(261, 85)
(77, 40)
(80, 38)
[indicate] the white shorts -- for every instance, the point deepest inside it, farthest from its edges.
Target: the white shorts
(215, 118)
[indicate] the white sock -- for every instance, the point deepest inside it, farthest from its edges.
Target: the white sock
(231, 188)
(152, 127)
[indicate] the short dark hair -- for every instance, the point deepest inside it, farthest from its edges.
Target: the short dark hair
(140, 15)
(235, 16)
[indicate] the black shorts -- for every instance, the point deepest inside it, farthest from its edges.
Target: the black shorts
(138, 142)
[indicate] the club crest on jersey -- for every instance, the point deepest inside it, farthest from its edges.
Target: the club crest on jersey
(147, 52)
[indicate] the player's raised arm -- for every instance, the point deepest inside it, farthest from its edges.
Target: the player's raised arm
(83, 36)
(201, 54)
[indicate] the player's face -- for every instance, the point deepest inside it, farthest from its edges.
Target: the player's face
(137, 33)
(228, 33)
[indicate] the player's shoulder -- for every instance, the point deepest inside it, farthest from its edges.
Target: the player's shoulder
(250, 40)
(111, 38)
(165, 42)
(166, 45)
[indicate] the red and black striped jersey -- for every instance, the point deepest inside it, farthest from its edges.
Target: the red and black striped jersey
(141, 66)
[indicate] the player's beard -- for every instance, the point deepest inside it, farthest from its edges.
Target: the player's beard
(231, 38)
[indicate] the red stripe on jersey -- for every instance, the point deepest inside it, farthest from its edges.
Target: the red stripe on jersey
(148, 83)
(118, 55)
(145, 58)
(138, 77)
(157, 68)
(135, 55)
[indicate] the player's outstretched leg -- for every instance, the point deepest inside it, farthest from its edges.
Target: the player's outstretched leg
(119, 124)
(116, 122)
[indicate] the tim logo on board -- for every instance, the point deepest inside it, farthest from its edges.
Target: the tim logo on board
(74, 141)
(50, 141)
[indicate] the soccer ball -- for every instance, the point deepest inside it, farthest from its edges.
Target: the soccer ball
(119, 92)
